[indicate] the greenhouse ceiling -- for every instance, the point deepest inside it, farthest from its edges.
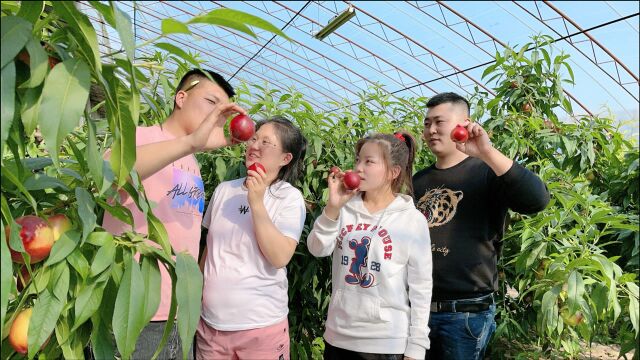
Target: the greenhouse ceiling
(411, 48)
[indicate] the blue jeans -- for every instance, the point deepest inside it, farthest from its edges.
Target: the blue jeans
(460, 335)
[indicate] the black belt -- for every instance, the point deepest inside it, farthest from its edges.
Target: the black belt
(463, 305)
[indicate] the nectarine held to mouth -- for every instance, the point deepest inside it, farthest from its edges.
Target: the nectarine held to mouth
(351, 180)
(255, 166)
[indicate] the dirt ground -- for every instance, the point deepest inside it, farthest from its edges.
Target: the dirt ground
(515, 350)
(599, 351)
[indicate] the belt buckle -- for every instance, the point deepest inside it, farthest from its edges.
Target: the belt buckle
(442, 306)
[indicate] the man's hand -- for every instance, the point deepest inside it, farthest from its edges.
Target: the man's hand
(478, 145)
(210, 134)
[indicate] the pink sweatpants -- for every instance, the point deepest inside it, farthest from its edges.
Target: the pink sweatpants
(271, 342)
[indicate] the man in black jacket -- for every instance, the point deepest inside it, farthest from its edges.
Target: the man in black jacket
(465, 196)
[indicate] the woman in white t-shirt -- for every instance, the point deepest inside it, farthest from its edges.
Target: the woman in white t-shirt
(254, 226)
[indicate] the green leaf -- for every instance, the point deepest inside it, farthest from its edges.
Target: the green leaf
(30, 109)
(606, 268)
(128, 312)
(172, 26)
(41, 182)
(488, 70)
(493, 102)
(64, 97)
(189, 296)
(86, 211)
(135, 194)
(8, 98)
(46, 312)
(599, 297)
(317, 148)
(38, 64)
(15, 32)
(575, 291)
(82, 27)
(178, 52)
(94, 158)
(118, 211)
(168, 328)
(158, 233)
(570, 71)
(591, 155)
(221, 21)
(37, 163)
(63, 247)
(123, 153)
(59, 285)
(88, 302)
(569, 146)
(550, 309)
(79, 155)
(31, 10)
(634, 311)
(101, 339)
(284, 98)
(9, 175)
(536, 254)
(77, 260)
(6, 277)
(221, 169)
(103, 258)
(125, 31)
(106, 11)
(70, 342)
(99, 238)
(546, 56)
(240, 18)
(151, 277)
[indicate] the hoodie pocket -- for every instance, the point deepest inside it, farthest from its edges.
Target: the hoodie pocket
(353, 308)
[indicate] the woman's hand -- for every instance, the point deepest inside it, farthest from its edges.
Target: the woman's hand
(256, 184)
(338, 194)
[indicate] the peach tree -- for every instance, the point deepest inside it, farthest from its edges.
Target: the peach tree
(64, 104)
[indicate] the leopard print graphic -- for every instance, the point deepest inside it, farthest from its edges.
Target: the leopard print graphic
(439, 205)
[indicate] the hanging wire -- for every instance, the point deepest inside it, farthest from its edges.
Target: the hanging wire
(267, 43)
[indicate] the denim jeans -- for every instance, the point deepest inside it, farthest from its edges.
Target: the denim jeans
(460, 335)
(150, 339)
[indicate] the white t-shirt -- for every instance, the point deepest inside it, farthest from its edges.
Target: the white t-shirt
(242, 290)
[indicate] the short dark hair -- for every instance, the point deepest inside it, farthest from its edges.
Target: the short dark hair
(448, 98)
(293, 141)
(198, 74)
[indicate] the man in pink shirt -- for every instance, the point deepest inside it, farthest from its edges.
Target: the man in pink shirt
(171, 178)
